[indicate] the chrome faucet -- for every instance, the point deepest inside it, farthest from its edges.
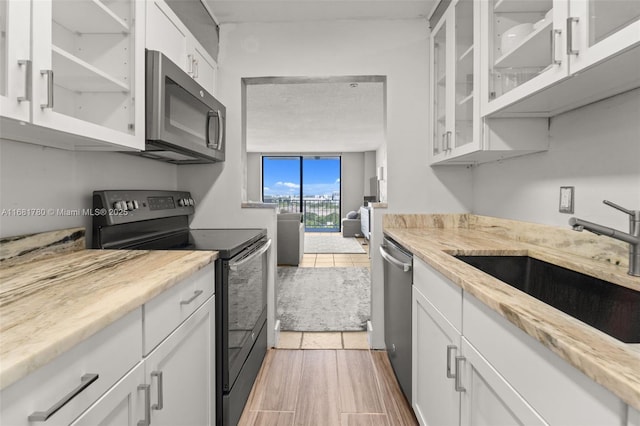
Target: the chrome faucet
(633, 237)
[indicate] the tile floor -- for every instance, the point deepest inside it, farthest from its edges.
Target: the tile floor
(330, 260)
(323, 340)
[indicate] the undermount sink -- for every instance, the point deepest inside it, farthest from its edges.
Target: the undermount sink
(611, 308)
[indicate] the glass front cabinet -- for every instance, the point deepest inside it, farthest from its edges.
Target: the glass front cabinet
(534, 44)
(81, 83)
(456, 130)
(500, 68)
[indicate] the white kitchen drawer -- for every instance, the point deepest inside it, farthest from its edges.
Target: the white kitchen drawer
(165, 312)
(110, 354)
(560, 393)
(440, 291)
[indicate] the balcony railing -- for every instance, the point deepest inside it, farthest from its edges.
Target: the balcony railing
(319, 215)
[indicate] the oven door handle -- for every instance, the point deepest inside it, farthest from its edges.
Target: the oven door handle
(234, 266)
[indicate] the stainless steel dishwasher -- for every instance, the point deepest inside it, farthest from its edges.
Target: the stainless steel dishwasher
(398, 278)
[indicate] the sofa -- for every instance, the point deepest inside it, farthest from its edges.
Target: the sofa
(290, 230)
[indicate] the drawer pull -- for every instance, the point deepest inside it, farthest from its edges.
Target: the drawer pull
(43, 416)
(450, 348)
(159, 405)
(147, 405)
(192, 298)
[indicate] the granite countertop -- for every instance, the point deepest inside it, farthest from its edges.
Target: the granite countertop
(608, 361)
(49, 305)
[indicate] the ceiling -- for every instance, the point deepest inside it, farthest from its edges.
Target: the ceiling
(227, 11)
(315, 117)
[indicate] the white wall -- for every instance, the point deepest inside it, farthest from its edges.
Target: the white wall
(595, 148)
(352, 192)
(254, 176)
(395, 49)
(369, 170)
(33, 176)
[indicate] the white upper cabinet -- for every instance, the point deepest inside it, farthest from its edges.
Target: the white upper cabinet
(166, 33)
(459, 133)
(86, 86)
(456, 124)
(544, 57)
(15, 59)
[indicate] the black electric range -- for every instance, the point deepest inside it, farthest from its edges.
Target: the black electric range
(158, 220)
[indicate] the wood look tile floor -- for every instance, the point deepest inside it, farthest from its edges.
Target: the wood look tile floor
(326, 387)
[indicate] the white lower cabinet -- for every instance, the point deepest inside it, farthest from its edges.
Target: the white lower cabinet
(435, 344)
(109, 379)
(58, 392)
(181, 372)
(486, 371)
(487, 398)
(123, 405)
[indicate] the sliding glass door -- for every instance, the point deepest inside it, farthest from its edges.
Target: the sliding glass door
(310, 185)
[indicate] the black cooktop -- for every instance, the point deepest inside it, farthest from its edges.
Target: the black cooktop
(228, 242)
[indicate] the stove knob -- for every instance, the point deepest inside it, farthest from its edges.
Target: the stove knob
(124, 205)
(191, 202)
(130, 205)
(136, 205)
(181, 202)
(117, 205)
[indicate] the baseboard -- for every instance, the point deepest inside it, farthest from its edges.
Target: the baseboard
(276, 334)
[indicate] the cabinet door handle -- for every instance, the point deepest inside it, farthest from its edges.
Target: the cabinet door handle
(27, 79)
(459, 387)
(448, 140)
(190, 64)
(49, 74)
(444, 142)
(570, 21)
(192, 298)
(555, 34)
(147, 405)
(195, 68)
(158, 375)
(450, 348)
(43, 416)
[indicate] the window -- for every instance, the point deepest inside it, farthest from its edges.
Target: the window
(310, 185)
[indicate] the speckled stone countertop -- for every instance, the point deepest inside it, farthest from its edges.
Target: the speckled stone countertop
(49, 305)
(435, 238)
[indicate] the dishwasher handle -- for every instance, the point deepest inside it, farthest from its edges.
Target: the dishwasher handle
(406, 267)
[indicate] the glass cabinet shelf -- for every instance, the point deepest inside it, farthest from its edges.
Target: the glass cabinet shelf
(76, 75)
(534, 50)
(520, 6)
(96, 17)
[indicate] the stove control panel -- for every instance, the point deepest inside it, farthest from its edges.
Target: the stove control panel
(114, 207)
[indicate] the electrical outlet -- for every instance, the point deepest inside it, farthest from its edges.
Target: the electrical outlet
(566, 199)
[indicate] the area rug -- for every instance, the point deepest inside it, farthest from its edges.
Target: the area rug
(323, 299)
(331, 244)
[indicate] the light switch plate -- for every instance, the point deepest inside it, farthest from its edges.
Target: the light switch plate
(566, 199)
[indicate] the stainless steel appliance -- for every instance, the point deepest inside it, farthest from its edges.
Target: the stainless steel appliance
(158, 220)
(185, 124)
(398, 278)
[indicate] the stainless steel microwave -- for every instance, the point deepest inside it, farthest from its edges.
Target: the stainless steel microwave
(185, 124)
